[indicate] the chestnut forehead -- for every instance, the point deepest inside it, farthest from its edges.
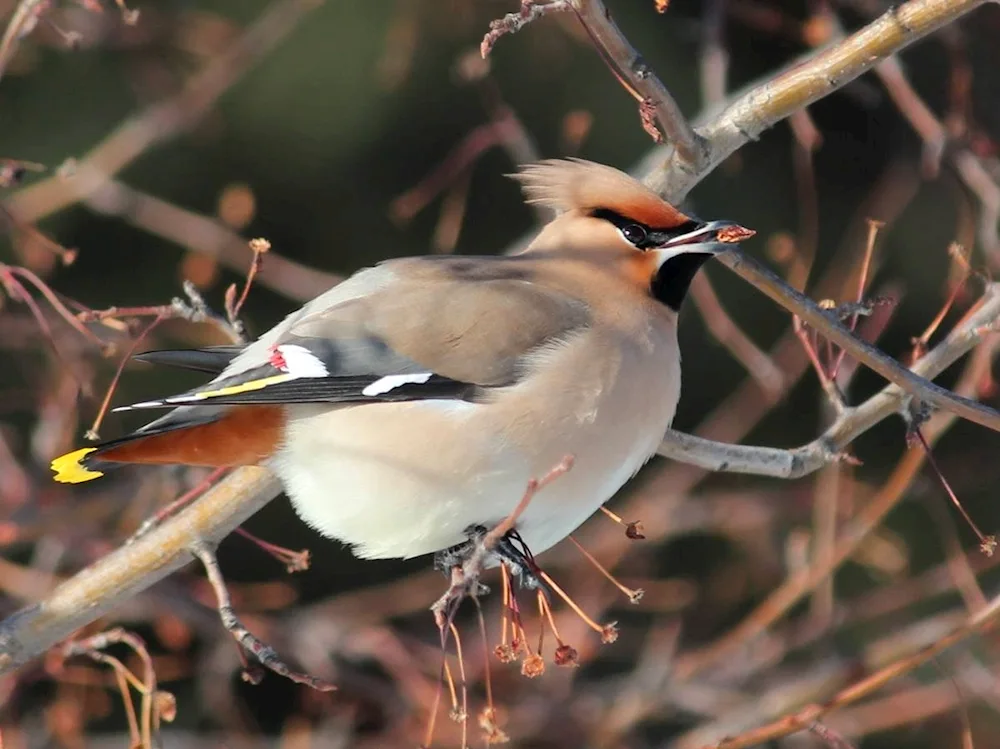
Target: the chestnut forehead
(620, 220)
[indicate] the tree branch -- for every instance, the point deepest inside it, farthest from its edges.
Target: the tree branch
(813, 77)
(201, 233)
(830, 327)
(133, 567)
(640, 79)
(657, 108)
(100, 587)
(164, 119)
(980, 622)
(853, 422)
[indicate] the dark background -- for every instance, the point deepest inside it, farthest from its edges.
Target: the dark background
(362, 101)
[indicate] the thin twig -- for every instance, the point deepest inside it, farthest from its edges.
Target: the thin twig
(246, 640)
(130, 568)
(800, 461)
(204, 234)
(732, 337)
(801, 83)
(831, 328)
(982, 621)
(23, 22)
(639, 79)
(850, 538)
(658, 110)
(165, 119)
(92, 433)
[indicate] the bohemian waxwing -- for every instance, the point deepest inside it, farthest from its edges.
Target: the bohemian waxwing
(415, 400)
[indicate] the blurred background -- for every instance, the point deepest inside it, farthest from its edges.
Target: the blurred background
(348, 132)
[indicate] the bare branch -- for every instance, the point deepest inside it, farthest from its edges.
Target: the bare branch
(162, 120)
(514, 22)
(22, 22)
(248, 643)
(642, 82)
(134, 567)
(768, 461)
(982, 621)
(201, 233)
(657, 108)
(848, 540)
(803, 82)
(830, 327)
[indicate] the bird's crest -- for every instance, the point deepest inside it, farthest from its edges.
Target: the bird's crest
(568, 184)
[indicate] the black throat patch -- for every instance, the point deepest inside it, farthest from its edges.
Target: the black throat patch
(671, 283)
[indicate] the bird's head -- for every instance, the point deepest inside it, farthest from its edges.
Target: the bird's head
(609, 218)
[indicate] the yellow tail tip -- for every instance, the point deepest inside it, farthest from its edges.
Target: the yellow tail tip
(69, 468)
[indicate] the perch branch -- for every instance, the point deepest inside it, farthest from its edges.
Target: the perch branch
(800, 461)
(133, 567)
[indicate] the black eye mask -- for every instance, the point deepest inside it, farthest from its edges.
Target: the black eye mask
(642, 236)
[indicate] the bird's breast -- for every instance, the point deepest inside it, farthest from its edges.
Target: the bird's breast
(606, 401)
(404, 479)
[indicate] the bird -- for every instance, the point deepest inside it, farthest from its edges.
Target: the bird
(406, 409)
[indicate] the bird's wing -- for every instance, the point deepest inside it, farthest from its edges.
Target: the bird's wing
(407, 330)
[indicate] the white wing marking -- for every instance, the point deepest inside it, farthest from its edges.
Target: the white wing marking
(391, 382)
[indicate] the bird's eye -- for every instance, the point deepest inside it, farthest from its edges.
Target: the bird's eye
(634, 234)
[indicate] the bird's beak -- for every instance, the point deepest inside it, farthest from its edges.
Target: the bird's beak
(708, 239)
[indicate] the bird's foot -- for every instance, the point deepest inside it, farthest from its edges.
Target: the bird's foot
(464, 563)
(503, 544)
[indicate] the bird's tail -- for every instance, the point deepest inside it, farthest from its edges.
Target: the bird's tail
(82, 465)
(219, 438)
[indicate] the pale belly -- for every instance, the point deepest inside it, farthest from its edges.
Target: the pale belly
(405, 479)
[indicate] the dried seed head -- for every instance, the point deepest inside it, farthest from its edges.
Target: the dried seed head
(458, 715)
(488, 722)
(566, 656)
(298, 561)
(165, 705)
(533, 666)
(634, 531)
(989, 545)
(636, 595)
(609, 633)
(260, 245)
(505, 653)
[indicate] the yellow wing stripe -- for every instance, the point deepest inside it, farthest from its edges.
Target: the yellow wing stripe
(243, 387)
(69, 468)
